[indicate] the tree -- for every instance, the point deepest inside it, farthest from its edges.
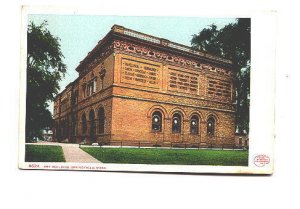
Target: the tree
(232, 42)
(45, 68)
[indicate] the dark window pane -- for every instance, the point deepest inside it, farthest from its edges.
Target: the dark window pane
(211, 126)
(83, 120)
(92, 125)
(194, 125)
(157, 121)
(101, 117)
(176, 123)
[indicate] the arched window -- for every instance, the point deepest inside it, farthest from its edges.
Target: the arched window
(176, 123)
(83, 124)
(211, 126)
(194, 124)
(92, 125)
(157, 121)
(101, 117)
(59, 130)
(73, 124)
(63, 128)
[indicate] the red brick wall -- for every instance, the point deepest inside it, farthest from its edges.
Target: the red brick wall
(132, 120)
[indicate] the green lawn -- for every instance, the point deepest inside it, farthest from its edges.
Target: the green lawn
(169, 156)
(44, 153)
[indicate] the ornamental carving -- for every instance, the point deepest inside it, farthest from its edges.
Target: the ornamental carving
(97, 59)
(177, 60)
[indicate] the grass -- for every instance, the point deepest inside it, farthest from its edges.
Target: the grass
(44, 153)
(169, 156)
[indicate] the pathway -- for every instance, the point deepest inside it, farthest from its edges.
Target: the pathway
(73, 153)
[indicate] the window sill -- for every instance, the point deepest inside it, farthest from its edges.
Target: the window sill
(155, 132)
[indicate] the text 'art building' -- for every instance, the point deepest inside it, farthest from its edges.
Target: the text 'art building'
(135, 88)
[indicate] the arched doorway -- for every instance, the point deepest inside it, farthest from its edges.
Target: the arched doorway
(83, 122)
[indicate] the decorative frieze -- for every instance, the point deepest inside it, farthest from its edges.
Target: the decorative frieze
(162, 56)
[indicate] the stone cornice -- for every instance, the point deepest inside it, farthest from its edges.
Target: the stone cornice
(164, 43)
(203, 101)
(162, 49)
(173, 103)
(121, 46)
(66, 114)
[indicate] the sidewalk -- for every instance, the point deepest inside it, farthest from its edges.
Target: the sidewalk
(72, 153)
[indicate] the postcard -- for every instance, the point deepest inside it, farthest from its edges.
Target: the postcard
(147, 94)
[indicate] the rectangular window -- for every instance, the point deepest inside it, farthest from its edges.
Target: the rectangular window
(94, 85)
(83, 91)
(101, 84)
(90, 89)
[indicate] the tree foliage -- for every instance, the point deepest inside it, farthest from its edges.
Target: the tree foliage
(232, 42)
(45, 68)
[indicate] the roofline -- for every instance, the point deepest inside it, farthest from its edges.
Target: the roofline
(166, 43)
(67, 86)
(117, 29)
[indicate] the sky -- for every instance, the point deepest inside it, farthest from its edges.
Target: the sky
(79, 34)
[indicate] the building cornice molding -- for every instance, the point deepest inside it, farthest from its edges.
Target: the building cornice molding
(128, 48)
(120, 38)
(173, 103)
(164, 43)
(202, 100)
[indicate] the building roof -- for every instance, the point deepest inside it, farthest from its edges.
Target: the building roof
(121, 31)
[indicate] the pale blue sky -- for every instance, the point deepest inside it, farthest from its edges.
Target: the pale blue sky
(80, 33)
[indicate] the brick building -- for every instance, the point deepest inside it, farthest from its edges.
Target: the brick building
(137, 88)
